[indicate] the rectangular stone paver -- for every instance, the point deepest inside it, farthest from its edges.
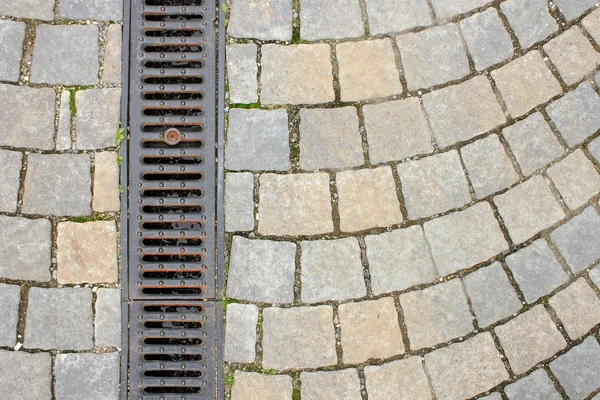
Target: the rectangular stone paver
(577, 240)
(107, 323)
(396, 15)
(265, 20)
(242, 72)
(25, 375)
(578, 371)
(63, 136)
(297, 204)
(254, 386)
(239, 202)
(572, 54)
(25, 248)
(460, 112)
(370, 330)
(106, 182)
(521, 14)
(528, 209)
(446, 9)
(12, 35)
(240, 333)
(332, 385)
(32, 9)
(10, 172)
(87, 376)
(465, 369)
(573, 9)
(463, 239)
(578, 308)
(10, 298)
(98, 115)
(402, 379)
(330, 20)
(576, 179)
(530, 338)
(101, 10)
(284, 337)
(536, 385)
(591, 24)
(113, 55)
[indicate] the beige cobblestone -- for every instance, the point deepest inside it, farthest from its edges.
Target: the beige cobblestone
(331, 385)
(576, 179)
(572, 54)
(577, 307)
(402, 379)
(106, 182)
(254, 386)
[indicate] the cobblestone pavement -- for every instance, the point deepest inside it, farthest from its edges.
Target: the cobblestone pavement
(60, 76)
(412, 199)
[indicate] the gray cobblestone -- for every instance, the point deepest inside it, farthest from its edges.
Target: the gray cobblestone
(396, 15)
(33, 9)
(87, 376)
(594, 149)
(239, 202)
(12, 35)
(254, 386)
(106, 195)
(25, 375)
(576, 179)
(25, 248)
(98, 115)
(113, 54)
(265, 20)
(102, 10)
(330, 20)
(240, 334)
(576, 239)
(577, 307)
(108, 318)
(595, 275)
(63, 137)
(591, 23)
(447, 9)
(402, 379)
(574, 9)
(534, 386)
(10, 171)
(10, 298)
(572, 54)
(493, 396)
(521, 14)
(578, 371)
(242, 72)
(332, 385)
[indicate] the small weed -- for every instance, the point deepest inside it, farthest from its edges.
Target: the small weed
(229, 381)
(295, 151)
(72, 103)
(119, 160)
(224, 7)
(91, 218)
(296, 394)
(120, 135)
(121, 190)
(246, 105)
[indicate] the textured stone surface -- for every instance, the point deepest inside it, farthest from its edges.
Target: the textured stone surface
(528, 209)
(591, 23)
(487, 39)
(66, 54)
(113, 55)
(98, 115)
(367, 69)
(367, 199)
(576, 179)
(532, 142)
(253, 386)
(492, 296)
(239, 202)
(446, 9)
(433, 185)
(240, 333)
(396, 130)
(577, 114)
(398, 260)
(12, 35)
(297, 74)
(396, 15)
(578, 371)
(284, 337)
(594, 148)
(59, 319)
(573, 9)
(25, 248)
(102, 10)
(465, 369)
(462, 111)
(87, 253)
(252, 261)
(331, 270)
(330, 20)
(463, 239)
(63, 137)
(577, 239)
(536, 385)
(572, 54)
(521, 14)
(33, 9)
(595, 275)
(402, 379)
(242, 72)
(370, 330)
(265, 20)
(25, 375)
(493, 396)
(489, 168)
(10, 172)
(329, 138)
(87, 376)
(333, 385)
(297, 204)
(436, 314)
(27, 117)
(577, 307)
(107, 322)
(530, 338)
(536, 270)
(258, 140)
(106, 182)
(433, 56)
(525, 82)
(10, 298)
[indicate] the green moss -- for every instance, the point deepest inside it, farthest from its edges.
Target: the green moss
(246, 105)
(120, 136)
(295, 151)
(229, 380)
(72, 103)
(91, 218)
(296, 394)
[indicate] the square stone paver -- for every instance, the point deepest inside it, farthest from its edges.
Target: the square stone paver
(528, 209)
(106, 182)
(367, 70)
(10, 173)
(526, 82)
(465, 369)
(465, 238)
(536, 385)
(297, 74)
(25, 375)
(332, 385)
(258, 140)
(113, 55)
(25, 248)
(433, 185)
(87, 376)
(370, 330)
(252, 261)
(87, 253)
(330, 138)
(573, 9)
(10, 298)
(487, 39)
(239, 202)
(98, 115)
(530, 338)
(396, 15)
(520, 15)
(433, 56)
(447, 9)
(284, 337)
(107, 323)
(253, 386)
(578, 371)
(536, 270)
(331, 270)
(489, 168)
(399, 260)
(242, 72)
(532, 142)
(259, 19)
(577, 114)
(402, 379)
(33, 9)
(240, 333)
(66, 55)
(367, 199)
(572, 54)
(577, 240)
(12, 35)
(460, 112)
(100, 10)
(27, 117)
(492, 296)
(436, 314)
(330, 19)
(578, 308)
(576, 179)
(396, 130)
(59, 319)
(298, 204)
(591, 23)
